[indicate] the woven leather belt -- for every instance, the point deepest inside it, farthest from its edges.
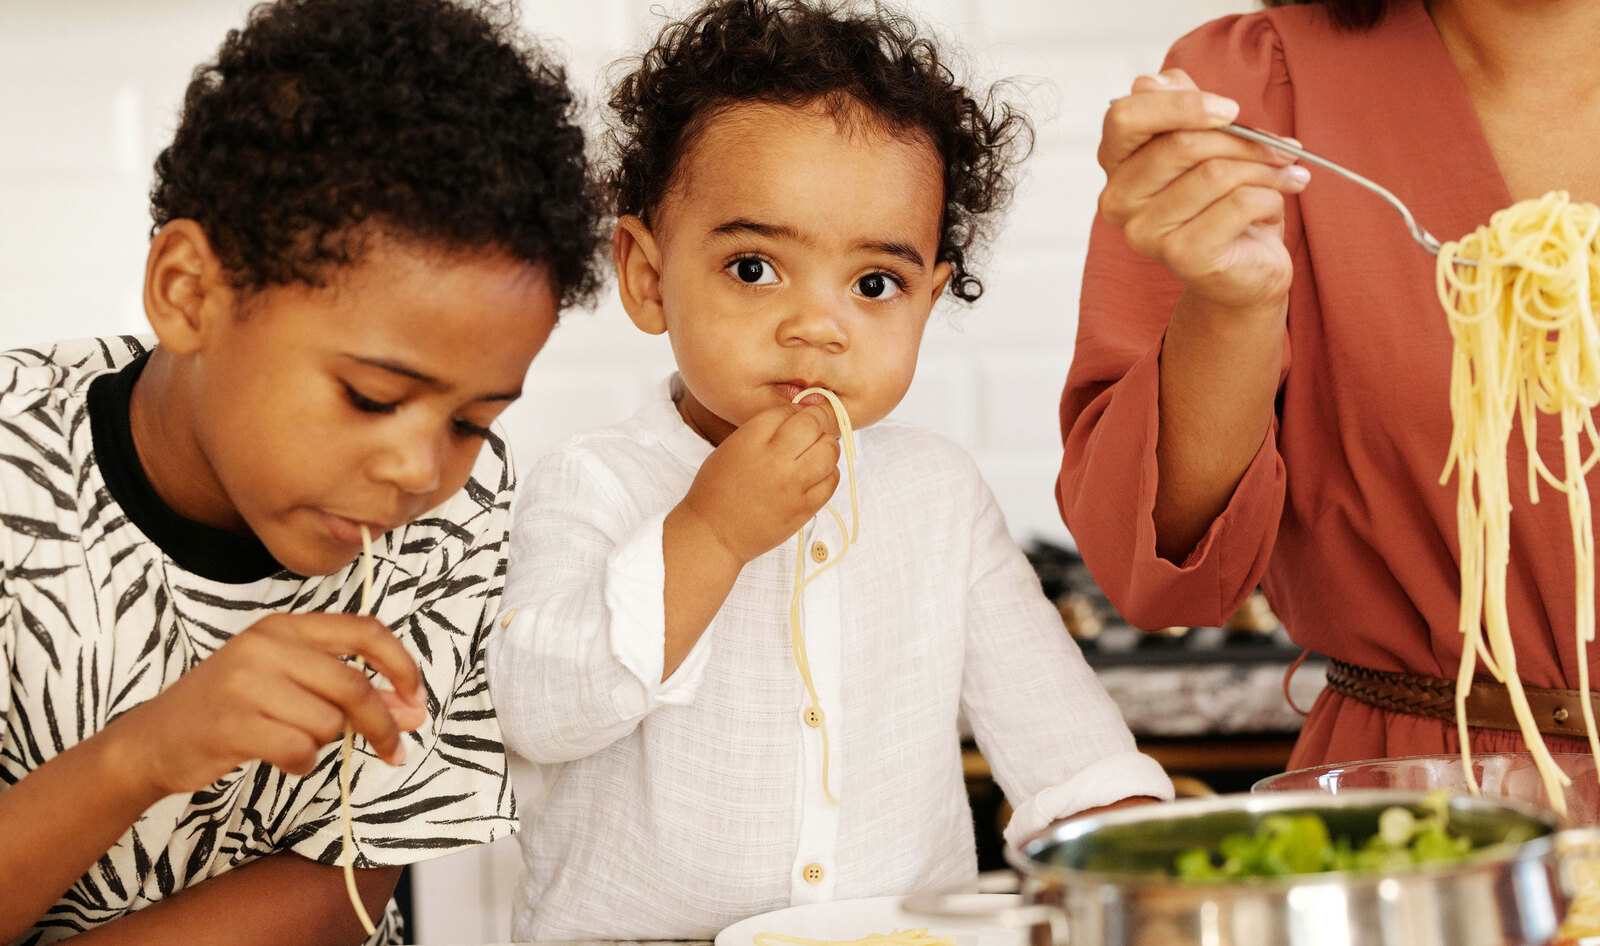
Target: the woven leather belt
(1557, 712)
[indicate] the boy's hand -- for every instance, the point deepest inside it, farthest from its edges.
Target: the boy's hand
(770, 476)
(280, 692)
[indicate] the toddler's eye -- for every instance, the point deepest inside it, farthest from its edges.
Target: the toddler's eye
(878, 286)
(753, 271)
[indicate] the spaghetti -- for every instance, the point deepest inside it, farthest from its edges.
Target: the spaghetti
(913, 937)
(345, 751)
(797, 637)
(1523, 316)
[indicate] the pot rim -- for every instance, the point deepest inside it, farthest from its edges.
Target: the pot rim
(1025, 858)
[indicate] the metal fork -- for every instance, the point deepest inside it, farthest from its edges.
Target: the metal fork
(1428, 241)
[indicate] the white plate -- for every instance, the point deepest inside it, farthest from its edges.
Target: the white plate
(853, 919)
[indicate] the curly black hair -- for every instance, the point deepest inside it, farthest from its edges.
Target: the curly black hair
(426, 120)
(796, 53)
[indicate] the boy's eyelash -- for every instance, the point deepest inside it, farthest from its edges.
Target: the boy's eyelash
(366, 404)
(461, 426)
(466, 428)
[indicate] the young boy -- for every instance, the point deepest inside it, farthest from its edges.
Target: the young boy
(797, 186)
(365, 226)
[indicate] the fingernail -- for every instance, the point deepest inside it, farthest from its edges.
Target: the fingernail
(1160, 79)
(1218, 107)
(398, 756)
(1297, 174)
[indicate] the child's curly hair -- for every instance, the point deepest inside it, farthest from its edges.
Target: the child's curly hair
(794, 52)
(426, 119)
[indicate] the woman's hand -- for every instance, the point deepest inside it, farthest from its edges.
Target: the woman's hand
(1203, 203)
(279, 691)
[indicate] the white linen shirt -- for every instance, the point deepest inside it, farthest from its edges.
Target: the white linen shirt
(677, 807)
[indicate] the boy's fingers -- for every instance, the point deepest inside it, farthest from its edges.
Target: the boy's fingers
(291, 703)
(822, 490)
(363, 708)
(350, 635)
(278, 744)
(407, 715)
(805, 427)
(821, 457)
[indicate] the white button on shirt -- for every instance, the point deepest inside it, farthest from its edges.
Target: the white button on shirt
(678, 807)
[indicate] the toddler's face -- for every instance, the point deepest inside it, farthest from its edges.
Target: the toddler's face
(365, 402)
(797, 251)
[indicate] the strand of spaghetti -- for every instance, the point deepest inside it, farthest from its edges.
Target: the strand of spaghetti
(347, 749)
(1527, 343)
(797, 637)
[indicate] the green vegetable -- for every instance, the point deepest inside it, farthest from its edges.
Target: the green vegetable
(1301, 844)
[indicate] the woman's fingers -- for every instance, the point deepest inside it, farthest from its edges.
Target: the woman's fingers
(1165, 80)
(1146, 174)
(1245, 262)
(1147, 223)
(1134, 120)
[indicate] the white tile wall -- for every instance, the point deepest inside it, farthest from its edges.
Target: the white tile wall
(89, 92)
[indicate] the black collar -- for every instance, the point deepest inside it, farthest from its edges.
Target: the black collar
(206, 551)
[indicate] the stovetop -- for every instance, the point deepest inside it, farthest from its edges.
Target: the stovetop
(1252, 635)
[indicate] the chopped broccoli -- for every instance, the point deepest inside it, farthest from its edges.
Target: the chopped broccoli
(1301, 844)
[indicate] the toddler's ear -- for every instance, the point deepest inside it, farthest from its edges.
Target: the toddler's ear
(637, 259)
(184, 286)
(941, 279)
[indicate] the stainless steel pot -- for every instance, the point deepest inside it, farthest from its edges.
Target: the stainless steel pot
(1100, 880)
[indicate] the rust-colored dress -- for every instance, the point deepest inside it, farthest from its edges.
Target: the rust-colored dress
(1340, 516)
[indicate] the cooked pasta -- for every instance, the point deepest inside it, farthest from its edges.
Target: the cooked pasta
(345, 751)
(797, 637)
(915, 937)
(1521, 308)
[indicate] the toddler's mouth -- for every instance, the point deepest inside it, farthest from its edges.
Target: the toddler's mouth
(793, 387)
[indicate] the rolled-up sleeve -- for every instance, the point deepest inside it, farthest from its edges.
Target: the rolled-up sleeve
(1052, 735)
(1110, 415)
(579, 659)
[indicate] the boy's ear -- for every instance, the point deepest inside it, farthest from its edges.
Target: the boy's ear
(637, 259)
(184, 286)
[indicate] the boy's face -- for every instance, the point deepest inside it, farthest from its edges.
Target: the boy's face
(314, 411)
(798, 252)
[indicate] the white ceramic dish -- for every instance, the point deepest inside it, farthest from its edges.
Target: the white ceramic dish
(842, 920)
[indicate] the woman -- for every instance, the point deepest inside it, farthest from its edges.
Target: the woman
(1260, 389)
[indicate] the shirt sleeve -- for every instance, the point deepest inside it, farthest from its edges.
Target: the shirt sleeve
(453, 791)
(578, 661)
(1054, 739)
(1109, 408)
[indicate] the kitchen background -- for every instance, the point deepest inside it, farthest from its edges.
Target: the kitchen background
(89, 91)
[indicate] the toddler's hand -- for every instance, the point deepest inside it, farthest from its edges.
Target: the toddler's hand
(1203, 203)
(767, 478)
(280, 692)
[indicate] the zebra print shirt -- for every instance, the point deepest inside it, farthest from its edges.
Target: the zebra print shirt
(95, 619)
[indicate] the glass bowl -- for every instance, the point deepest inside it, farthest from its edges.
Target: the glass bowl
(1500, 774)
